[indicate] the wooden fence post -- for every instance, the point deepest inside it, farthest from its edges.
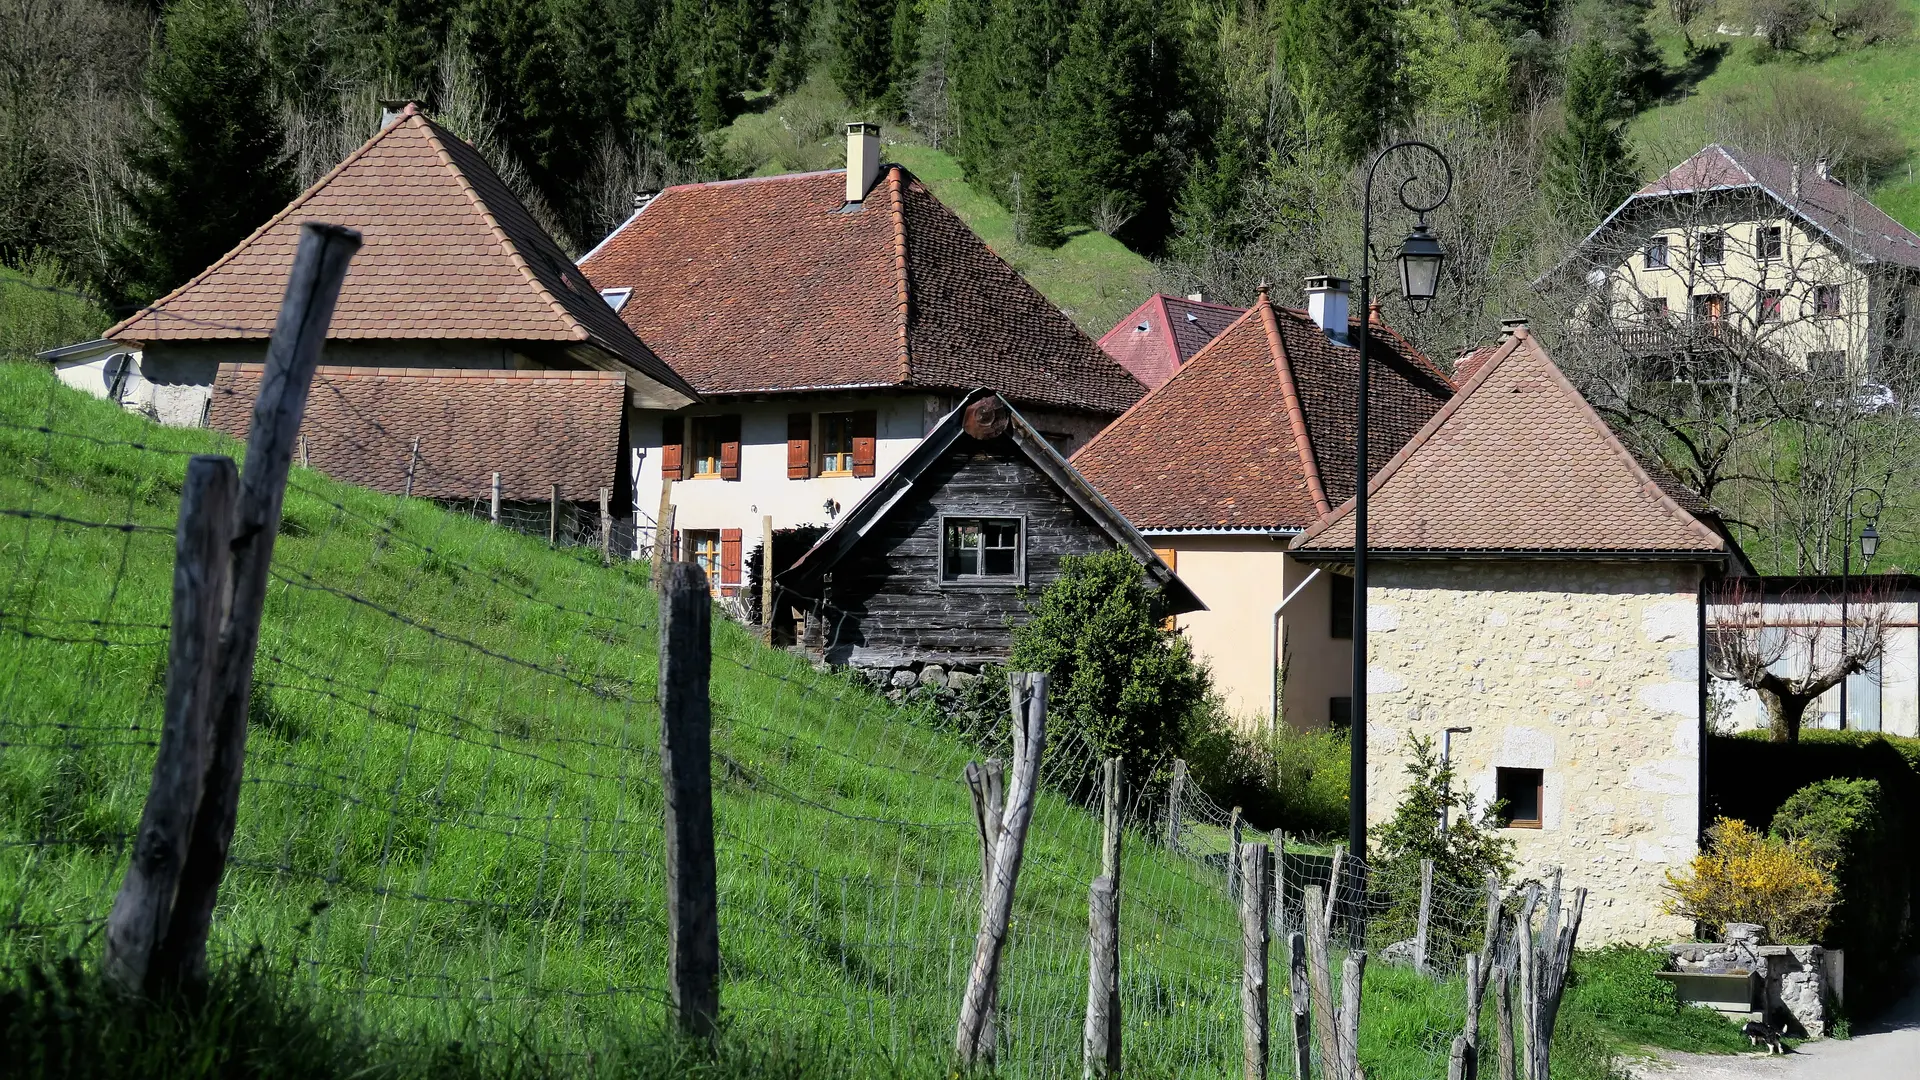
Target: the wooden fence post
(494, 511)
(1252, 864)
(1524, 977)
(1302, 1005)
(1100, 1049)
(1503, 1018)
(1352, 981)
(1280, 887)
(1319, 977)
(606, 526)
(1235, 831)
(766, 576)
(413, 460)
(299, 333)
(663, 553)
(1112, 827)
(1547, 977)
(1426, 912)
(686, 736)
(988, 786)
(1463, 1062)
(553, 515)
(303, 452)
(202, 589)
(663, 534)
(1029, 696)
(1176, 791)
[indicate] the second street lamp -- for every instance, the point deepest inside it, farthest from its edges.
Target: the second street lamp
(1420, 258)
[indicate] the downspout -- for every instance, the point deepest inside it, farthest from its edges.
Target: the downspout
(1273, 681)
(1706, 733)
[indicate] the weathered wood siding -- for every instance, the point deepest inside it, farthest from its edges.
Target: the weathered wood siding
(887, 598)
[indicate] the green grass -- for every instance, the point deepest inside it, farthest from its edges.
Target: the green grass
(437, 843)
(1092, 277)
(1880, 77)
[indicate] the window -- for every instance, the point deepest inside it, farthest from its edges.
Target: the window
(1339, 713)
(836, 444)
(1340, 607)
(1826, 300)
(616, 298)
(981, 550)
(1769, 242)
(1710, 307)
(1654, 310)
(1656, 254)
(1520, 790)
(1770, 305)
(706, 445)
(704, 546)
(1710, 249)
(714, 449)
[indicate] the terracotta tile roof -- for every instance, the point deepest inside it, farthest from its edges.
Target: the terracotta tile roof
(535, 428)
(1849, 217)
(449, 253)
(773, 284)
(1256, 431)
(1518, 461)
(1164, 333)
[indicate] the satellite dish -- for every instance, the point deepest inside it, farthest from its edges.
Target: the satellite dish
(119, 367)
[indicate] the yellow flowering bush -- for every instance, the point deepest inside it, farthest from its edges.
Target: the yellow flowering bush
(1748, 876)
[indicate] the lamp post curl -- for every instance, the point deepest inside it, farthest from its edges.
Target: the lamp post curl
(1420, 257)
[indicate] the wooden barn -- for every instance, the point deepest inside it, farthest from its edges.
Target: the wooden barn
(930, 569)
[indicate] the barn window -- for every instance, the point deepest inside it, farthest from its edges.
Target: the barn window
(836, 444)
(1520, 790)
(982, 549)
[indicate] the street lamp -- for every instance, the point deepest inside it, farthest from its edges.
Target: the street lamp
(1446, 759)
(1869, 543)
(1420, 258)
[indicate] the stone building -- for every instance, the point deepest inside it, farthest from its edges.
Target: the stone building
(1535, 584)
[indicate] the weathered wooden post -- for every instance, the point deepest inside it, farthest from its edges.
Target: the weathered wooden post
(1547, 976)
(1352, 981)
(303, 452)
(606, 527)
(1176, 792)
(988, 786)
(663, 553)
(1253, 864)
(1029, 696)
(1302, 1008)
(413, 461)
(299, 333)
(1464, 1062)
(1100, 1049)
(494, 511)
(1426, 912)
(553, 515)
(1503, 1018)
(202, 590)
(686, 736)
(766, 576)
(1113, 828)
(1235, 833)
(1320, 975)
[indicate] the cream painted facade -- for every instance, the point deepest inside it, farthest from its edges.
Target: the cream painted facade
(1247, 638)
(1586, 671)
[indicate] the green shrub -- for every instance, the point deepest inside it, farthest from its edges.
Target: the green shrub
(1846, 825)
(1121, 685)
(1463, 855)
(33, 317)
(1907, 747)
(1296, 781)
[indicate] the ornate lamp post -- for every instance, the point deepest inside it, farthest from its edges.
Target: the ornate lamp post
(1420, 258)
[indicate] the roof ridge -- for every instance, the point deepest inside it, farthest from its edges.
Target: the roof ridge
(1290, 395)
(1159, 301)
(285, 212)
(1190, 365)
(896, 190)
(519, 259)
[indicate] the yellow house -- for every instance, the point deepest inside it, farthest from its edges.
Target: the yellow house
(1245, 446)
(1758, 256)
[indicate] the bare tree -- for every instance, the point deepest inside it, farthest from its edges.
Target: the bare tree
(1686, 13)
(1788, 648)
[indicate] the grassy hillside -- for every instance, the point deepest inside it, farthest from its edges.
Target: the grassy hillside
(1879, 77)
(34, 316)
(1094, 278)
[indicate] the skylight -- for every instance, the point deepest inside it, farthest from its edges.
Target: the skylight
(616, 298)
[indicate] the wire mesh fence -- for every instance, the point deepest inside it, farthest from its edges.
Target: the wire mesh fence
(452, 802)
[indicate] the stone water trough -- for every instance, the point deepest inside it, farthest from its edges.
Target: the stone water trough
(1743, 978)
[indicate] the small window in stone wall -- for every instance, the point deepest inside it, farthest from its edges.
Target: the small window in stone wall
(1521, 791)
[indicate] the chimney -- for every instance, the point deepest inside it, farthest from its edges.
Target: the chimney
(863, 160)
(1511, 323)
(1197, 297)
(641, 199)
(1796, 179)
(1823, 169)
(1327, 306)
(391, 111)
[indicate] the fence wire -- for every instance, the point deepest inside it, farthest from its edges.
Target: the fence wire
(451, 816)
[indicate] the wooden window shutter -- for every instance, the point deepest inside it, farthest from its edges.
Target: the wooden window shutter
(729, 556)
(729, 447)
(799, 445)
(1170, 556)
(866, 426)
(673, 447)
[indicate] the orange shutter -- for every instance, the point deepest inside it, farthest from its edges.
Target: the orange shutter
(799, 445)
(729, 447)
(1170, 556)
(673, 447)
(866, 425)
(729, 556)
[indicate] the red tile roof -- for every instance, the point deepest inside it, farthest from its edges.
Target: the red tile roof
(1164, 333)
(1256, 431)
(449, 253)
(535, 428)
(775, 284)
(1518, 461)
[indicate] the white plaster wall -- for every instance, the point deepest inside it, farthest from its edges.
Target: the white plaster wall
(1586, 671)
(1886, 700)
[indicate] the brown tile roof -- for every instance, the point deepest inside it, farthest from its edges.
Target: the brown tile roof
(449, 253)
(1849, 217)
(772, 284)
(1256, 431)
(1518, 461)
(1164, 333)
(535, 428)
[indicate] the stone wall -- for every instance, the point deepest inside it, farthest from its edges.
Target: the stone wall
(1794, 976)
(1587, 671)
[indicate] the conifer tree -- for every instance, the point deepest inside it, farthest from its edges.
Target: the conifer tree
(1338, 64)
(212, 165)
(1113, 95)
(863, 53)
(1005, 52)
(1589, 169)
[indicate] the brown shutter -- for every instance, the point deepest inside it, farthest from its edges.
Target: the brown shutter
(1170, 556)
(673, 447)
(729, 447)
(799, 445)
(729, 556)
(866, 424)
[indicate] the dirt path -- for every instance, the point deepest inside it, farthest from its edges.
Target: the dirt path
(1888, 1049)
